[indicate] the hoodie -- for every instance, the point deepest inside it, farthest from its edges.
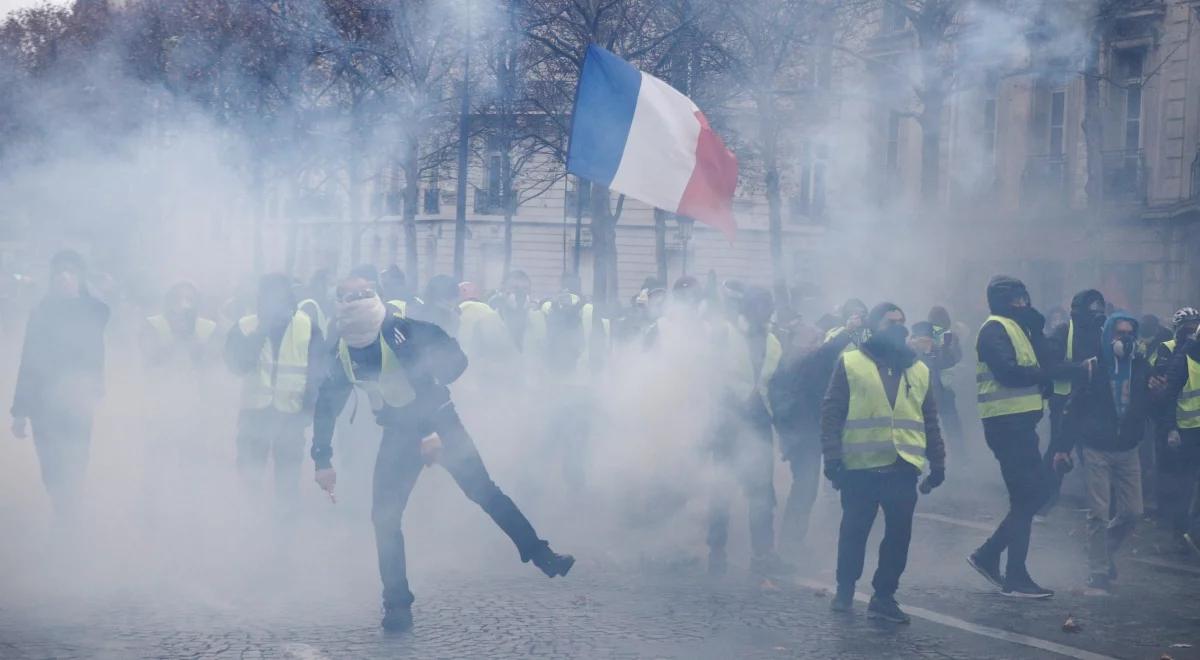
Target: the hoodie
(1086, 343)
(993, 345)
(1108, 410)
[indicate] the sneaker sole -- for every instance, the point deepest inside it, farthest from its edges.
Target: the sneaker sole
(987, 576)
(1015, 594)
(883, 617)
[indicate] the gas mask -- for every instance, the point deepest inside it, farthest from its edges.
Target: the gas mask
(1123, 346)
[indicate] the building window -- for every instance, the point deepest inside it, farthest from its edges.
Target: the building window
(989, 129)
(1128, 66)
(809, 203)
(1058, 113)
(894, 18)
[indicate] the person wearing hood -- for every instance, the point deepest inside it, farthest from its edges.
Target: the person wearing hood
(1106, 417)
(1071, 350)
(405, 367)
(879, 429)
(178, 337)
(1180, 429)
(1010, 379)
(278, 352)
(60, 379)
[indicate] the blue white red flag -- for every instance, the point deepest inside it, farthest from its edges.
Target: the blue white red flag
(641, 137)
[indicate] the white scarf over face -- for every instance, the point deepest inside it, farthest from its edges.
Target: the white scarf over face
(359, 321)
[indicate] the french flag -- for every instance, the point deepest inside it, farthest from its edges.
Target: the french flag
(639, 136)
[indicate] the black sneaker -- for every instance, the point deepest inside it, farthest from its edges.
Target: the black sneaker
(988, 568)
(718, 564)
(397, 619)
(1098, 585)
(552, 563)
(771, 565)
(1026, 588)
(886, 609)
(843, 600)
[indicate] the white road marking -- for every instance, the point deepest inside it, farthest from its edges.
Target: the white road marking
(985, 631)
(1149, 561)
(300, 651)
(983, 527)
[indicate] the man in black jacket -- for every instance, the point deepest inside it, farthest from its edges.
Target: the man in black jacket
(1106, 415)
(1070, 349)
(404, 366)
(61, 378)
(877, 465)
(1010, 381)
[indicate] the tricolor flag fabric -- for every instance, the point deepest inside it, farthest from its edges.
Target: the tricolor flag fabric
(639, 136)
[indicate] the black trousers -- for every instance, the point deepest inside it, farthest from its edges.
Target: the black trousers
(744, 445)
(1179, 472)
(804, 460)
(864, 492)
(63, 441)
(1013, 440)
(396, 470)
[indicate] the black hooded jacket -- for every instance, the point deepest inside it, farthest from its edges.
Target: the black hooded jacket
(62, 360)
(995, 348)
(1090, 416)
(1086, 342)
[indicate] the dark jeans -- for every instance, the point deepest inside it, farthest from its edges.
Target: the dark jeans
(1014, 441)
(744, 446)
(396, 470)
(1179, 471)
(62, 442)
(864, 492)
(264, 434)
(804, 459)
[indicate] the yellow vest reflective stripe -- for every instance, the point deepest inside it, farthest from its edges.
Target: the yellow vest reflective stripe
(279, 382)
(996, 400)
(204, 328)
(833, 332)
(400, 306)
(1063, 387)
(876, 432)
(392, 389)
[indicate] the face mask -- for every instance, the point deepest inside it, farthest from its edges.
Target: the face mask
(359, 320)
(1123, 346)
(1097, 316)
(893, 334)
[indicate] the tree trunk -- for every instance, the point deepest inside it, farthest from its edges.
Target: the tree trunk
(602, 245)
(933, 102)
(1093, 123)
(354, 188)
(412, 165)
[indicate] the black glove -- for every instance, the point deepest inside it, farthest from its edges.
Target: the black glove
(933, 480)
(834, 470)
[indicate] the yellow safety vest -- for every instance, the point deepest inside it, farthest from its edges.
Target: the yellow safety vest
(1063, 387)
(1152, 356)
(279, 382)
(876, 432)
(742, 379)
(401, 307)
(204, 328)
(1187, 407)
(996, 400)
(320, 318)
(834, 332)
(392, 389)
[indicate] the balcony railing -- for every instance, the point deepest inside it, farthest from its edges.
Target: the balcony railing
(1044, 180)
(488, 202)
(1124, 176)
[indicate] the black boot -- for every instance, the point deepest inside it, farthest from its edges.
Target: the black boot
(551, 563)
(988, 567)
(397, 619)
(843, 600)
(887, 609)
